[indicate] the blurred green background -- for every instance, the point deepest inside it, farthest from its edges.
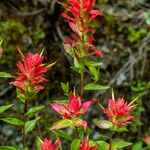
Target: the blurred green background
(123, 35)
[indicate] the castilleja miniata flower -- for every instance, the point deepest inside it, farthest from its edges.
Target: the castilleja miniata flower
(74, 110)
(118, 111)
(31, 73)
(85, 145)
(79, 16)
(48, 145)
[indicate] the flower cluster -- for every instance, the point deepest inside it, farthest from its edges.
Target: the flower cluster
(118, 111)
(48, 145)
(31, 73)
(85, 145)
(74, 110)
(80, 15)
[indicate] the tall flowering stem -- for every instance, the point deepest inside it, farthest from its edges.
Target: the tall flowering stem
(79, 15)
(28, 80)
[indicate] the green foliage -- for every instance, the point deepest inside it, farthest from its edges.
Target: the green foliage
(137, 146)
(75, 144)
(95, 73)
(65, 87)
(5, 75)
(120, 144)
(4, 108)
(94, 86)
(63, 134)
(102, 145)
(103, 124)
(62, 124)
(30, 125)
(135, 35)
(13, 121)
(20, 95)
(32, 111)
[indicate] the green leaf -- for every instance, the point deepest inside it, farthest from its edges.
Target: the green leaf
(38, 143)
(68, 48)
(32, 111)
(30, 125)
(78, 66)
(120, 144)
(137, 146)
(7, 148)
(65, 87)
(119, 128)
(5, 75)
(93, 86)
(75, 144)
(4, 108)
(102, 145)
(62, 124)
(89, 62)
(103, 124)
(13, 121)
(95, 73)
(20, 95)
(62, 134)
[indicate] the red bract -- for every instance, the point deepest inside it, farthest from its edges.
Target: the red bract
(80, 15)
(147, 140)
(85, 145)
(31, 73)
(48, 145)
(75, 108)
(118, 112)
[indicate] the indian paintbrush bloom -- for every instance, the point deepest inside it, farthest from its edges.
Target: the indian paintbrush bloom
(48, 145)
(147, 140)
(80, 14)
(118, 111)
(31, 73)
(85, 145)
(74, 110)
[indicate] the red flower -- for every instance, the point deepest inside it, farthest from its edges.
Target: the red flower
(147, 140)
(85, 145)
(79, 18)
(75, 108)
(31, 73)
(118, 112)
(48, 145)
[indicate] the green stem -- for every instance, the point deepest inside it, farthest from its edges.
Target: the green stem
(76, 131)
(81, 83)
(25, 119)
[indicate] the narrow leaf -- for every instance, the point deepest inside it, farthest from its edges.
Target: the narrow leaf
(119, 128)
(32, 111)
(62, 134)
(4, 108)
(62, 124)
(120, 144)
(102, 145)
(20, 95)
(5, 75)
(13, 121)
(75, 144)
(103, 124)
(93, 86)
(30, 125)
